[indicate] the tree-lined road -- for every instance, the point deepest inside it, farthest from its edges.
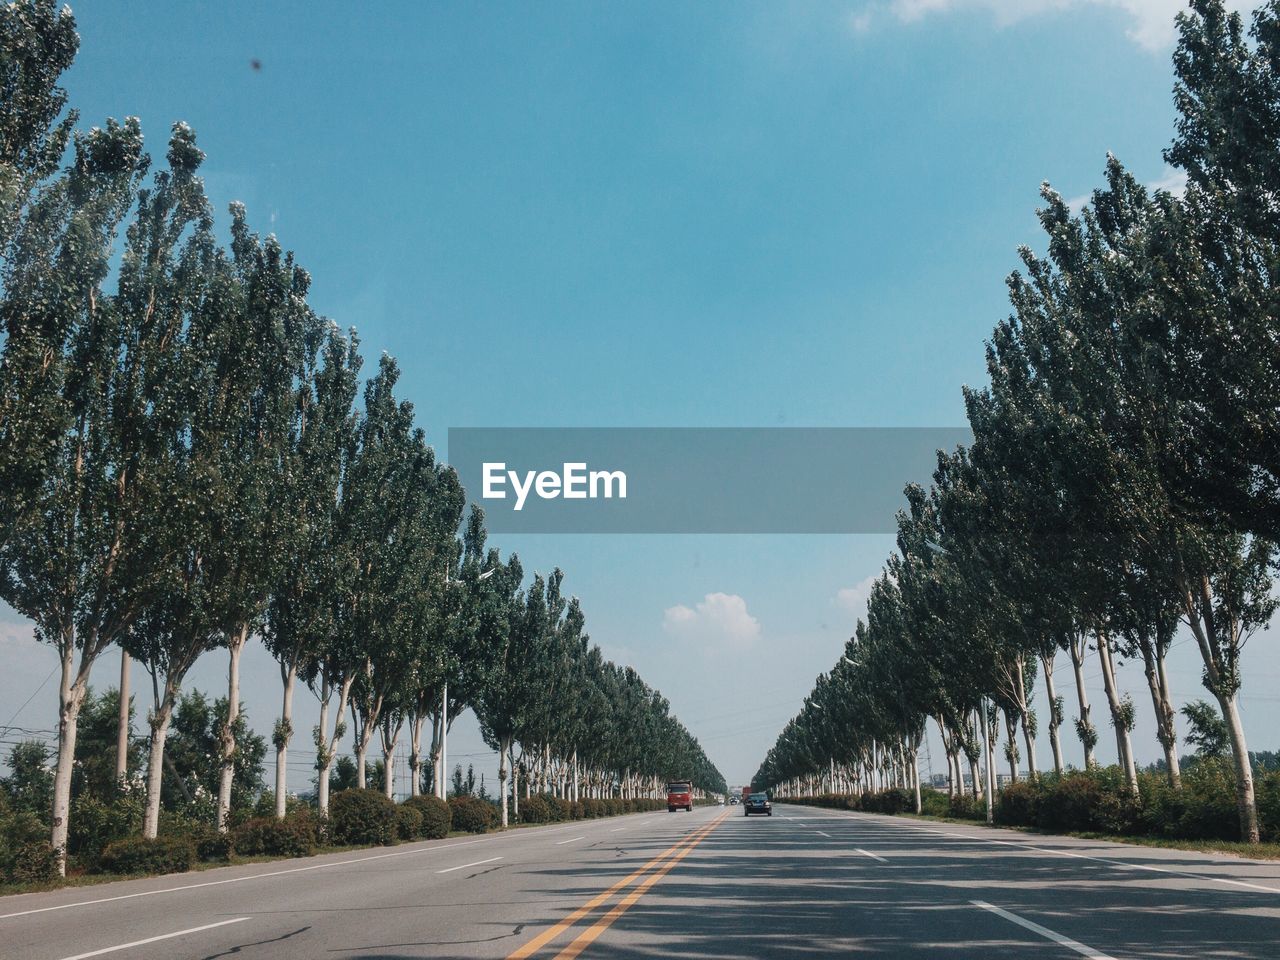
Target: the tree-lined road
(707, 884)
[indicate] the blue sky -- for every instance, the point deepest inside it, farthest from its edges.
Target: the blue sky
(588, 214)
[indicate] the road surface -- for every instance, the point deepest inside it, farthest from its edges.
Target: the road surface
(803, 883)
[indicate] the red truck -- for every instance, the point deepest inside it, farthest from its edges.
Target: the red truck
(679, 796)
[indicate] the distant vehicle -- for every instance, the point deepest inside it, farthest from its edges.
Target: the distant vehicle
(733, 799)
(679, 796)
(757, 803)
(720, 801)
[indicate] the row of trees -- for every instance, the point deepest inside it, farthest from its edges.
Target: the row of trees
(1124, 477)
(185, 467)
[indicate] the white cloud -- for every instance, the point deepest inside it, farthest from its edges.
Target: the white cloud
(853, 599)
(719, 619)
(1150, 22)
(860, 21)
(1172, 180)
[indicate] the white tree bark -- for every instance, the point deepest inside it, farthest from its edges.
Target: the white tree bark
(72, 687)
(1124, 746)
(283, 734)
(122, 728)
(1076, 647)
(235, 647)
(1055, 715)
(160, 719)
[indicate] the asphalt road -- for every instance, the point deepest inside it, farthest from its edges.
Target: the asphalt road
(711, 884)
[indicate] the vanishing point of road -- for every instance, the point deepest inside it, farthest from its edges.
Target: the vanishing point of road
(711, 884)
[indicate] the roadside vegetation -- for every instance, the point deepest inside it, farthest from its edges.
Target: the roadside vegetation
(189, 465)
(1121, 494)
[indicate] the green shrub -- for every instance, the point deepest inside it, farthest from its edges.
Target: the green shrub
(964, 806)
(212, 845)
(592, 808)
(33, 862)
(294, 836)
(96, 823)
(473, 815)
(1267, 787)
(535, 809)
(934, 803)
(17, 830)
(1070, 802)
(561, 809)
(408, 823)
(1016, 805)
(171, 854)
(888, 801)
(362, 817)
(437, 819)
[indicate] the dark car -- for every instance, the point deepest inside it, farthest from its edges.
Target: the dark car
(757, 803)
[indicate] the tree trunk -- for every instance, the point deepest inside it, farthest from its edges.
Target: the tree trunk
(438, 786)
(71, 693)
(1084, 725)
(390, 737)
(1055, 712)
(1124, 746)
(283, 734)
(155, 761)
(515, 784)
(123, 730)
(235, 647)
(326, 744)
(1246, 803)
(415, 752)
(1224, 690)
(1024, 716)
(1166, 732)
(1011, 748)
(504, 746)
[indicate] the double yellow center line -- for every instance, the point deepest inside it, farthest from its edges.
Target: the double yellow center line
(647, 876)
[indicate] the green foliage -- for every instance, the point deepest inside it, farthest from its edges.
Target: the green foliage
(535, 809)
(342, 775)
(294, 836)
(472, 815)
(437, 817)
(194, 746)
(1208, 733)
(29, 786)
(24, 840)
(34, 862)
(97, 821)
(408, 823)
(358, 817)
(95, 770)
(166, 854)
(1016, 805)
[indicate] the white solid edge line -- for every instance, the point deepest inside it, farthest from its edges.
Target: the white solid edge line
(573, 840)
(163, 936)
(272, 873)
(465, 865)
(1080, 948)
(867, 853)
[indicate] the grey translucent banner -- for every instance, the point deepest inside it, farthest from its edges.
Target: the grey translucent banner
(695, 479)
